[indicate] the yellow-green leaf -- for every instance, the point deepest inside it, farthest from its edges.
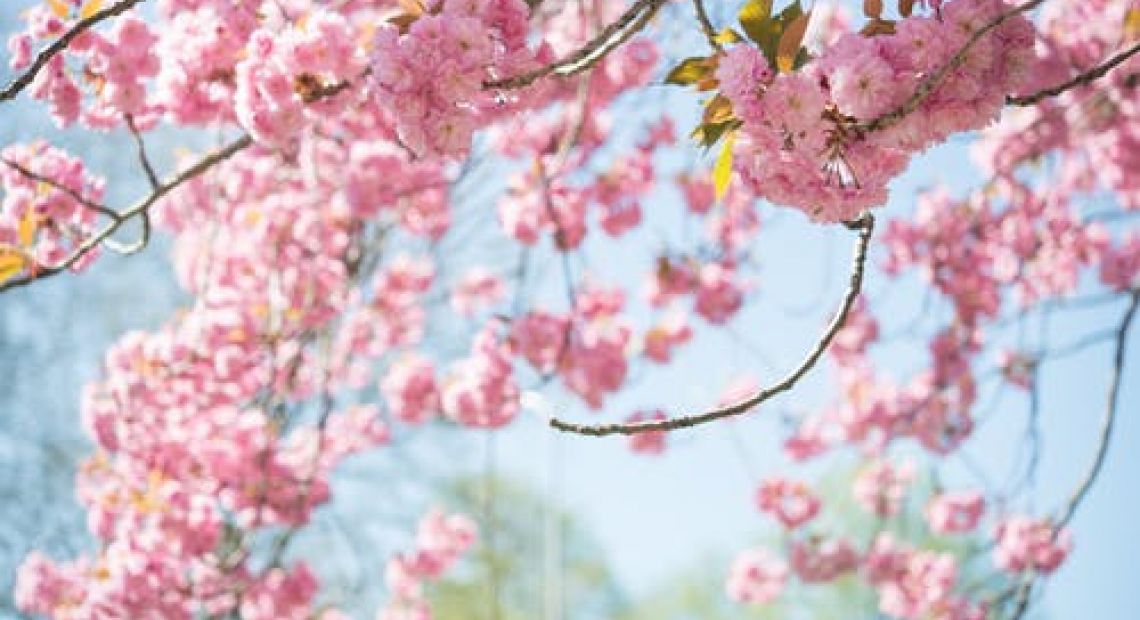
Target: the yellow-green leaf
(790, 41)
(754, 16)
(26, 231)
(722, 170)
(90, 8)
(728, 36)
(59, 8)
(766, 32)
(718, 110)
(1132, 24)
(689, 71)
(12, 263)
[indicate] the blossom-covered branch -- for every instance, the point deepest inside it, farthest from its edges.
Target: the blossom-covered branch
(29, 75)
(610, 38)
(1081, 79)
(931, 83)
(202, 165)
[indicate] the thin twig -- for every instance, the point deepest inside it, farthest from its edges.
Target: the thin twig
(1082, 79)
(60, 44)
(926, 88)
(706, 25)
(140, 147)
(76, 196)
(1109, 419)
(865, 225)
(202, 165)
(612, 36)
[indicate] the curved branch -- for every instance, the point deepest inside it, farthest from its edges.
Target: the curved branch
(20, 83)
(612, 36)
(706, 25)
(926, 88)
(1107, 423)
(1082, 79)
(865, 225)
(202, 165)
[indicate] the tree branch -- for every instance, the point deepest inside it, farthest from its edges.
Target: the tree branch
(926, 88)
(865, 225)
(202, 165)
(612, 36)
(706, 25)
(60, 44)
(140, 147)
(1109, 419)
(74, 195)
(1082, 79)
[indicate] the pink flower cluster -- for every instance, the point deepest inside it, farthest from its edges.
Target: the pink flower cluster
(650, 442)
(667, 334)
(816, 560)
(917, 584)
(480, 391)
(43, 220)
(1025, 543)
(970, 249)
(586, 348)
(1090, 130)
(440, 541)
(955, 513)
(431, 77)
(801, 146)
(792, 503)
(882, 486)
(757, 577)
(116, 66)
(410, 389)
(283, 71)
(476, 289)
(536, 203)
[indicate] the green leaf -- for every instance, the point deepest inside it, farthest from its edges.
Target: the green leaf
(728, 36)
(789, 47)
(767, 31)
(1132, 24)
(12, 262)
(722, 170)
(708, 134)
(688, 72)
(752, 17)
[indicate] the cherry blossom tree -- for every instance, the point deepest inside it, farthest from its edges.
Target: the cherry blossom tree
(359, 144)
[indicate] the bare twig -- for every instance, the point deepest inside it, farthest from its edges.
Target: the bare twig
(144, 159)
(865, 225)
(1109, 419)
(24, 79)
(926, 88)
(1082, 79)
(706, 25)
(202, 165)
(612, 36)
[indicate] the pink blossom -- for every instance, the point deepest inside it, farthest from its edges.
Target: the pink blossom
(1025, 543)
(955, 513)
(756, 577)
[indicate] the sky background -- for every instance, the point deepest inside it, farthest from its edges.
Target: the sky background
(654, 516)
